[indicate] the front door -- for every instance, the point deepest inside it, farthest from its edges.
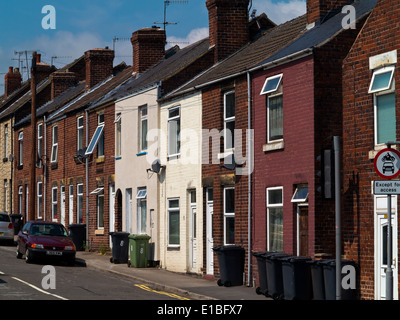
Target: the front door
(209, 237)
(381, 261)
(128, 211)
(302, 212)
(193, 238)
(112, 211)
(62, 209)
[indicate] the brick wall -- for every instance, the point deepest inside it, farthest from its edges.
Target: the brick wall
(317, 9)
(378, 36)
(99, 65)
(218, 177)
(12, 81)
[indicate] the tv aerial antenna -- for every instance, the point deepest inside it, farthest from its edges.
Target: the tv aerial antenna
(166, 4)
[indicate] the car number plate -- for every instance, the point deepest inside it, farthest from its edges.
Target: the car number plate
(54, 253)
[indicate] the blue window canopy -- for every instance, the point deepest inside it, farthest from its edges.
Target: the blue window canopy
(271, 84)
(301, 194)
(382, 80)
(95, 139)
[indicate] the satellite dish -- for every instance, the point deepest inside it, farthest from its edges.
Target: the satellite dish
(156, 166)
(229, 162)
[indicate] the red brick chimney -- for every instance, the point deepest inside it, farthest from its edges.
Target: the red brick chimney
(99, 65)
(43, 70)
(148, 46)
(318, 9)
(228, 24)
(61, 82)
(13, 81)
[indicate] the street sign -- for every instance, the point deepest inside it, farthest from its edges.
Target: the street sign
(387, 163)
(387, 187)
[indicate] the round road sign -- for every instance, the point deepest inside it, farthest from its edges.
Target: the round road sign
(387, 163)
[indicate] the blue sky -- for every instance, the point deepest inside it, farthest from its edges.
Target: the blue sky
(85, 24)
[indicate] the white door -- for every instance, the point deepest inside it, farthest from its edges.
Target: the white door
(193, 240)
(210, 240)
(128, 211)
(71, 204)
(381, 229)
(62, 199)
(112, 211)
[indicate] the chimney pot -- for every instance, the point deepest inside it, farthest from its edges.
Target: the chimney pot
(38, 58)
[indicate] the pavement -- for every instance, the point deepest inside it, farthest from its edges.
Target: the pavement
(192, 287)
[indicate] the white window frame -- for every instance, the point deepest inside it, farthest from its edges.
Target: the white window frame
(100, 141)
(141, 199)
(54, 203)
(40, 143)
(173, 210)
(377, 94)
(276, 93)
(378, 72)
(79, 195)
(228, 214)
(21, 148)
(118, 135)
(79, 133)
(143, 118)
(99, 197)
(39, 199)
(95, 139)
(5, 195)
(177, 142)
(275, 205)
(71, 203)
(300, 200)
(20, 202)
(229, 120)
(54, 145)
(280, 76)
(6, 141)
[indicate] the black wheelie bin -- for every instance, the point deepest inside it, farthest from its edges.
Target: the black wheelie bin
(262, 272)
(296, 278)
(274, 275)
(231, 265)
(120, 248)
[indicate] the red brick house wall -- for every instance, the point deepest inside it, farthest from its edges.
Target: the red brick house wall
(379, 35)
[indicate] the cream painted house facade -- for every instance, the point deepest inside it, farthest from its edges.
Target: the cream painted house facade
(6, 166)
(181, 212)
(136, 114)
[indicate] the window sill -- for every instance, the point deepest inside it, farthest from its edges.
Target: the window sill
(99, 232)
(372, 154)
(141, 153)
(174, 247)
(174, 156)
(100, 159)
(273, 146)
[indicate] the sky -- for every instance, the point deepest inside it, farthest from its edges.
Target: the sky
(81, 25)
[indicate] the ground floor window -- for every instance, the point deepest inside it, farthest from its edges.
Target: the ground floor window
(54, 203)
(141, 210)
(100, 211)
(173, 222)
(229, 215)
(275, 219)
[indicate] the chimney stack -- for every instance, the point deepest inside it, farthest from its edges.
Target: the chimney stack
(13, 81)
(61, 82)
(148, 46)
(99, 65)
(318, 9)
(228, 24)
(43, 70)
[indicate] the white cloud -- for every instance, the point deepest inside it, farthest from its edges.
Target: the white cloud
(193, 36)
(280, 11)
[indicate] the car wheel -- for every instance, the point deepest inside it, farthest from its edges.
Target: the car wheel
(28, 256)
(19, 254)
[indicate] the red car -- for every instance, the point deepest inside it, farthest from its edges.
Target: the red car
(41, 239)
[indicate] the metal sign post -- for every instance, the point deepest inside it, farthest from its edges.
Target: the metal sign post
(387, 165)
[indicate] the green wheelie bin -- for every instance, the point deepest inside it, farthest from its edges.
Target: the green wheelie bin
(138, 250)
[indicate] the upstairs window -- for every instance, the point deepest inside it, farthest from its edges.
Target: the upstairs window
(21, 148)
(79, 129)
(118, 131)
(40, 143)
(274, 94)
(5, 155)
(383, 87)
(143, 128)
(229, 120)
(174, 131)
(54, 148)
(100, 145)
(95, 139)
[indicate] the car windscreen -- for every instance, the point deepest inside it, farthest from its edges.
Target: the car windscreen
(4, 218)
(48, 230)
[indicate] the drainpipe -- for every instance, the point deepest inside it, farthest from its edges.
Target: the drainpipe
(44, 164)
(336, 147)
(87, 182)
(249, 165)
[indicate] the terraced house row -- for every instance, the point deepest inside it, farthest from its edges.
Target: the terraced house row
(219, 142)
